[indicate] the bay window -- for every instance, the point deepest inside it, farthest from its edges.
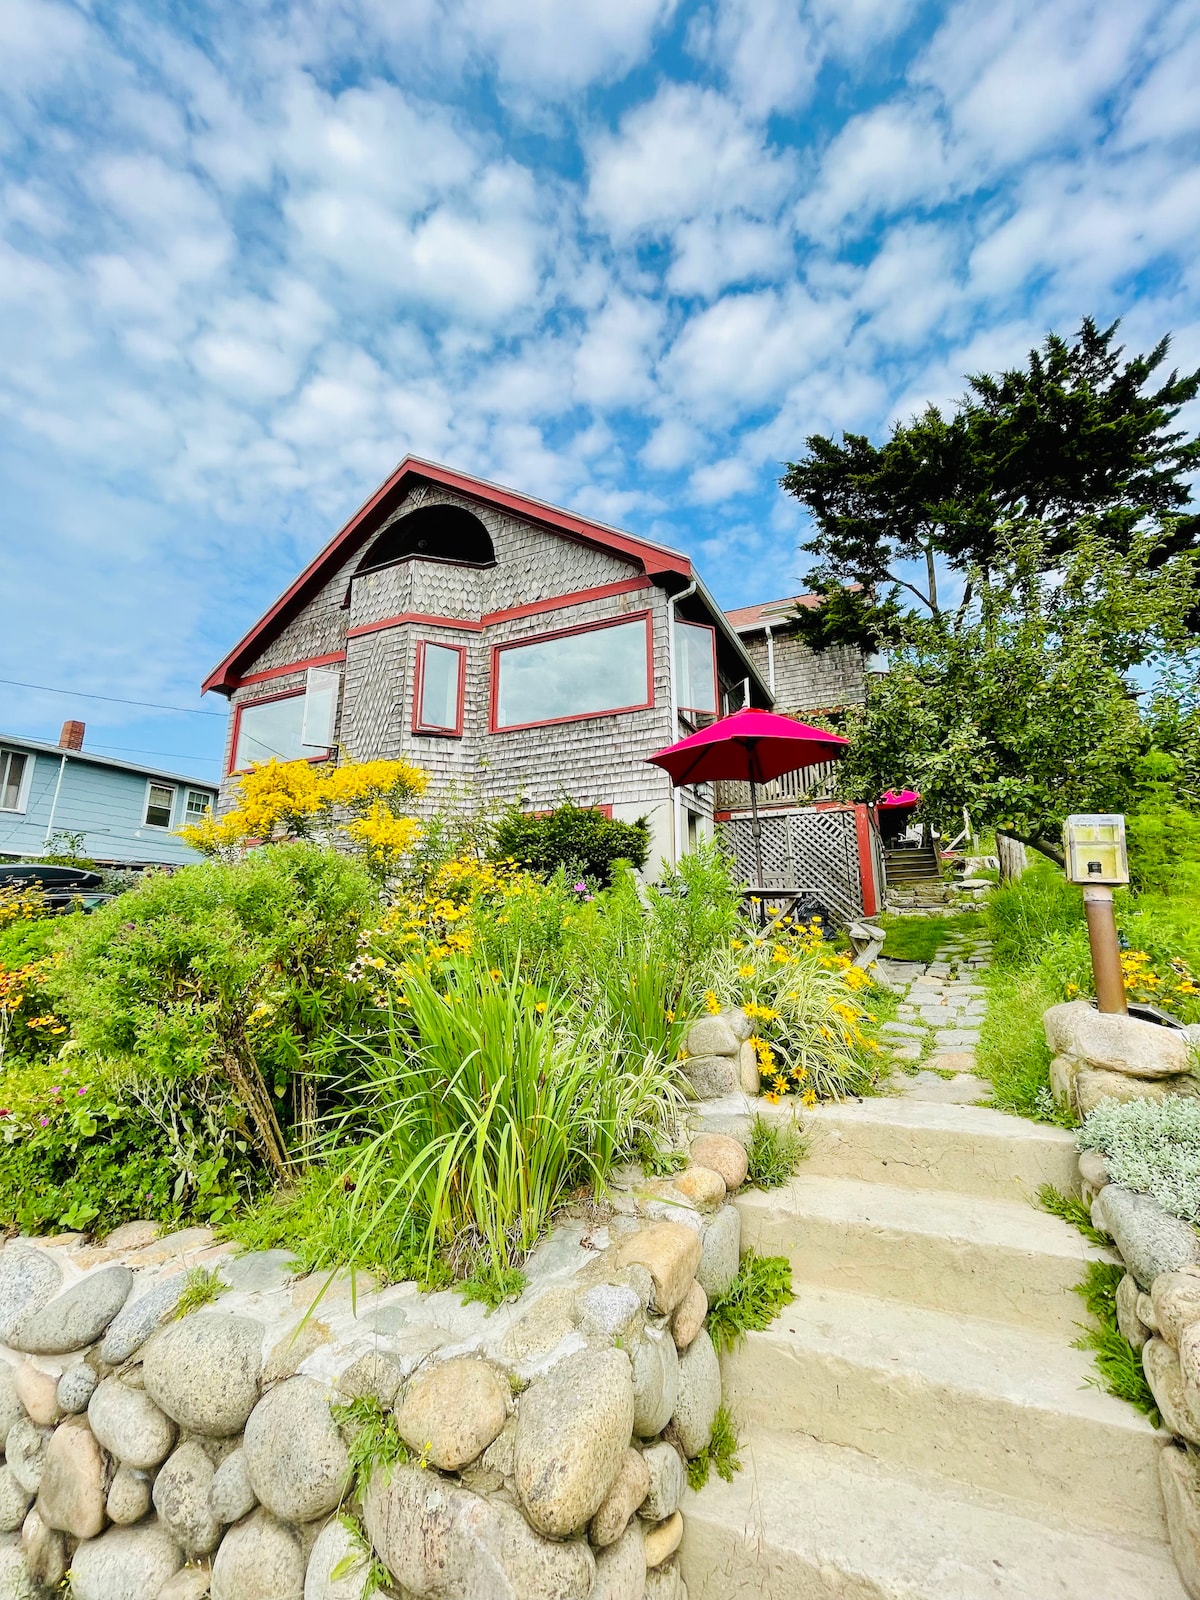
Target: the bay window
(591, 671)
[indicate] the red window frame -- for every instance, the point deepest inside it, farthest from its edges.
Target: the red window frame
(696, 711)
(249, 705)
(419, 689)
(561, 633)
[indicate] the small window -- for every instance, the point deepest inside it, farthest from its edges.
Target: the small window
(12, 776)
(160, 802)
(199, 804)
(696, 652)
(580, 672)
(438, 702)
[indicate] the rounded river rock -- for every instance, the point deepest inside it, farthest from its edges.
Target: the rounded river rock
(206, 1371)
(573, 1428)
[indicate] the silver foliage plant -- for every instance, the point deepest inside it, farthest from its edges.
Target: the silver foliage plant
(1152, 1147)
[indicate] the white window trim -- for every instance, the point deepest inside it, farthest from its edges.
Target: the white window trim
(22, 805)
(207, 794)
(159, 827)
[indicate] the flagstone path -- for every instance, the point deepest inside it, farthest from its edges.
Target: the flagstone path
(936, 1029)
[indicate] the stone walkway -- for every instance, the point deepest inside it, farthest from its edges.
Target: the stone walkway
(936, 1030)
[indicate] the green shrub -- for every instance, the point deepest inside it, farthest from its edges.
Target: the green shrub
(1023, 914)
(1152, 1147)
(85, 1148)
(753, 1300)
(578, 839)
(226, 972)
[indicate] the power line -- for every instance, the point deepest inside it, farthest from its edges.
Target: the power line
(135, 750)
(82, 694)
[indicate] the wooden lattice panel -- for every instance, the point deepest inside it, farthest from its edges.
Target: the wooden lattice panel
(815, 852)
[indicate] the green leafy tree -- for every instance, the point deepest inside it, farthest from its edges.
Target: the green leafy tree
(1076, 433)
(1019, 712)
(579, 839)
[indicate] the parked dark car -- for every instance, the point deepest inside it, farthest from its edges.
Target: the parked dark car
(65, 888)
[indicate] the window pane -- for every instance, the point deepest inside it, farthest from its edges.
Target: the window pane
(159, 804)
(273, 729)
(697, 678)
(577, 674)
(198, 804)
(439, 687)
(12, 770)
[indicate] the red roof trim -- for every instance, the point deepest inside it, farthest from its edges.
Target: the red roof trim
(651, 558)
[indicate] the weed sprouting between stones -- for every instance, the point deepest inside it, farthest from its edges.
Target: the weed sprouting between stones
(201, 1286)
(372, 1439)
(1070, 1210)
(774, 1153)
(753, 1300)
(493, 1285)
(1119, 1366)
(720, 1454)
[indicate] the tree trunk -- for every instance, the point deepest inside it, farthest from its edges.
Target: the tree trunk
(255, 1099)
(1013, 860)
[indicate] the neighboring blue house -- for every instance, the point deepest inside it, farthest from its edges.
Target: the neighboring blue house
(127, 815)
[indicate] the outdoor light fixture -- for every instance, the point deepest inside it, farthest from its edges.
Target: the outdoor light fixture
(1095, 857)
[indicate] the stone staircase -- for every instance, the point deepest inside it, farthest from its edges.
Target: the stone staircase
(917, 1425)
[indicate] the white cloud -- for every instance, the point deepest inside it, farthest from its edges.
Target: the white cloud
(721, 481)
(881, 161)
(615, 356)
(687, 153)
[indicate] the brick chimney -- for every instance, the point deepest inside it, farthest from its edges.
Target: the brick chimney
(71, 737)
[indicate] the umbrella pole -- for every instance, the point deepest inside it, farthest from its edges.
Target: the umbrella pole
(756, 830)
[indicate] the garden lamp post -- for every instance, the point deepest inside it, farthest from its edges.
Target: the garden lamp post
(1096, 858)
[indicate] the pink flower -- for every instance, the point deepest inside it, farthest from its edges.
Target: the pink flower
(45, 1121)
(81, 1091)
(54, 1089)
(5, 1113)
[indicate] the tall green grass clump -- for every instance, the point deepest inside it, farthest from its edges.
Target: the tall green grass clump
(774, 1153)
(1118, 1365)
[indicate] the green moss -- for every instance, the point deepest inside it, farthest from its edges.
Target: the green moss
(753, 1300)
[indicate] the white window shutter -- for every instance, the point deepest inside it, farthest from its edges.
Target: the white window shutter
(320, 708)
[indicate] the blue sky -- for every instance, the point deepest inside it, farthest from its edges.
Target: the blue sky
(622, 254)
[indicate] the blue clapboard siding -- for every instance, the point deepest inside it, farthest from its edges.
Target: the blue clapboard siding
(101, 799)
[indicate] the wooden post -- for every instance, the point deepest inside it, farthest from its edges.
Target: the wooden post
(1106, 953)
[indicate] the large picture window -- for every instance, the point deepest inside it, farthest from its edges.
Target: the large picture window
(438, 700)
(295, 726)
(579, 672)
(696, 666)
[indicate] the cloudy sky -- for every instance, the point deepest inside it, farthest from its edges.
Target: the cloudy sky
(623, 254)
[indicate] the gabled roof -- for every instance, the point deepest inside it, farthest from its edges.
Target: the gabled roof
(43, 747)
(749, 619)
(646, 556)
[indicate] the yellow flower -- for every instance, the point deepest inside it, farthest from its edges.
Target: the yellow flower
(711, 1003)
(808, 1099)
(540, 1008)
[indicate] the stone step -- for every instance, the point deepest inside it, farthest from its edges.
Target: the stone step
(984, 1406)
(997, 1259)
(810, 1521)
(959, 1148)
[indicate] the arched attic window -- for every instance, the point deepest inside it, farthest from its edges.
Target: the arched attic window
(432, 533)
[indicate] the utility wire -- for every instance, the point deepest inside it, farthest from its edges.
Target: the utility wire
(82, 694)
(136, 750)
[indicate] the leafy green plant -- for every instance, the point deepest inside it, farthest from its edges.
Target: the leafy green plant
(84, 1143)
(1119, 1366)
(372, 1438)
(719, 1454)
(659, 1161)
(1152, 1147)
(753, 1300)
(227, 972)
(481, 1108)
(362, 1560)
(201, 1287)
(492, 1286)
(774, 1153)
(1070, 1210)
(577, 839)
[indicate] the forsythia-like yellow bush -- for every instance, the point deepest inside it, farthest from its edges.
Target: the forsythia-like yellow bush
(300, 799)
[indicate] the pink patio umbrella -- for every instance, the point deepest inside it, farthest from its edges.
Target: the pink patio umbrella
(751, 747)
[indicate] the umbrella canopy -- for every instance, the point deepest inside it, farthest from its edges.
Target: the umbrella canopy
(895, 799)
(750, 746)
